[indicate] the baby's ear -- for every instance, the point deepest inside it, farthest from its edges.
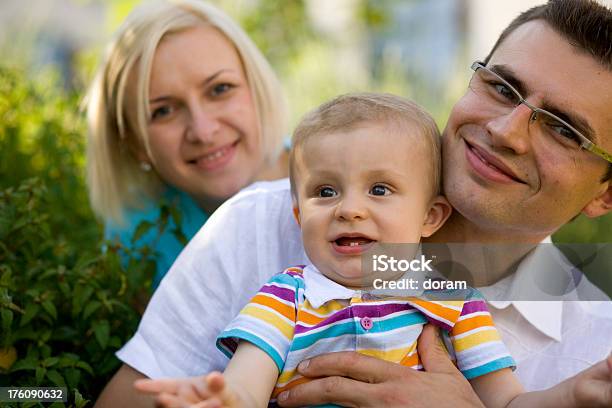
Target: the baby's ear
(601, 204)
(439, 211)
(296, 214)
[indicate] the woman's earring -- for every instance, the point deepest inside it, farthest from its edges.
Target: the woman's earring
(145, 166)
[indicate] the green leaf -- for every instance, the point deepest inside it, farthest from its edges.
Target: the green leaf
(50, 308)
(50, 361)
(73, 376)
(180, 237)
(102, 332)
(5, 280)
(31, 310)
(91, 308)
(7, 319)
(40, 374)
(85, 366)
(65, 289)
(24, 364)
(79, 401)
(56, 378)
(141, 229)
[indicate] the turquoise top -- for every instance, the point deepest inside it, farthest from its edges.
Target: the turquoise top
(166, 245)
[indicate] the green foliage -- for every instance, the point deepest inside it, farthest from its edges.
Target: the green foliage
(65, 304)
(42, 134)
(65, 307)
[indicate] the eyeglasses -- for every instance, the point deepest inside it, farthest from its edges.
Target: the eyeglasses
(500, 94)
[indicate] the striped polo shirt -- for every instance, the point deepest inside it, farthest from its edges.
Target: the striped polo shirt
(300, 314)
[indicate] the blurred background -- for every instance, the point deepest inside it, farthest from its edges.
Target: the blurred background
(49, 51)
(417, 48)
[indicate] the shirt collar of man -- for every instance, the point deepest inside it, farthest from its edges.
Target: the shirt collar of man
(521, 291)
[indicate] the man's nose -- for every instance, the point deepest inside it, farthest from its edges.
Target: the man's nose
(351, 207)
(511, 130)
(202, 125)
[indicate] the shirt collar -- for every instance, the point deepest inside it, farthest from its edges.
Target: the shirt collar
(545, 315)
(319, 289)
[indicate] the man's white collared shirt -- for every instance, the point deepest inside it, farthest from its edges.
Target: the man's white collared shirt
(253, 236)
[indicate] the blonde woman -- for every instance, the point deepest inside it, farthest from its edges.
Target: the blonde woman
(184, 110)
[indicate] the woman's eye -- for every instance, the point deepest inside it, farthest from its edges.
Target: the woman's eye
(327, 192)
(380, 190)
(161, 112)
(220, 89)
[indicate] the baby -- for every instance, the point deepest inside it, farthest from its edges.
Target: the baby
(365, 170)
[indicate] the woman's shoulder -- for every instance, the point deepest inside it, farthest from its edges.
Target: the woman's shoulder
(171, 208)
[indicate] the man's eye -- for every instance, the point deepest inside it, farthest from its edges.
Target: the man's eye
(380, 190)
(220, 89)
(327, 192)
(562, 131)
(506, 93)
(161, 112)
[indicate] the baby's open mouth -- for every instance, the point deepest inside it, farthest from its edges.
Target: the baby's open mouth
(352, 241)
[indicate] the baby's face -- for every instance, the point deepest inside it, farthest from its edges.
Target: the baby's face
(356, 188)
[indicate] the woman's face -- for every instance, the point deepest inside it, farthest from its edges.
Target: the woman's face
(203, 129)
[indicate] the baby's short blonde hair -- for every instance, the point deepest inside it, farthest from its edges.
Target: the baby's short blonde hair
(350, 111)
(114, 177)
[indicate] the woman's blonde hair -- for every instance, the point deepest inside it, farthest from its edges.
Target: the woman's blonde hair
(115, 178)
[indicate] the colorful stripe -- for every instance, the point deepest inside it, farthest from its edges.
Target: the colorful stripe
(284, 324)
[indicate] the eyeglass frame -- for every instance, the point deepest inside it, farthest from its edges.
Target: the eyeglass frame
(585, 143)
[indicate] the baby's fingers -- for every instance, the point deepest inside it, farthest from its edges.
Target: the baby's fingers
(157, 386)
(210, 403)
(166, 400)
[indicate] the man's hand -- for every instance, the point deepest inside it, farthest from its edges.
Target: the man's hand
(593, 386)
(354, 380)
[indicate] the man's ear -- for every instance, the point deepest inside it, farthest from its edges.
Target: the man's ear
(601, 204)
(439, 211)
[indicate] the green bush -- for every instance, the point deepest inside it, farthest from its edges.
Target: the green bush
(65, 304)
(63, 311)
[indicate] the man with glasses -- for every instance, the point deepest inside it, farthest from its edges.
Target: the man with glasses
(525, 150)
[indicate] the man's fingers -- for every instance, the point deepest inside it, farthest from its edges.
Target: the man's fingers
(328, 390)
(432, 353)
(348, 364)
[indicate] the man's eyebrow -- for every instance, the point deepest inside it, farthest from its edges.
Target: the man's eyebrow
(508, 74)
(206, 81)
(575, 120)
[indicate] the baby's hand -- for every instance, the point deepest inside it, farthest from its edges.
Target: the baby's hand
(208, 391)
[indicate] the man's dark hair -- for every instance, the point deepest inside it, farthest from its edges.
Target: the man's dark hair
(585, 24)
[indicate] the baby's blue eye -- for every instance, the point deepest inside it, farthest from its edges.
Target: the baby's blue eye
(380, 190)
(326, 192)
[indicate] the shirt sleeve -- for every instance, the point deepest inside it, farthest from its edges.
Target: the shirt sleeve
(247, 240)
(475, 341)
(267, 321)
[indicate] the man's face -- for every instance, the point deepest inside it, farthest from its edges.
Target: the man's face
(505, 174)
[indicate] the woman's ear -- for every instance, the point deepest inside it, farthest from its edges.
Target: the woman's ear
(439, 211)
(601, 204)
(296, 214)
